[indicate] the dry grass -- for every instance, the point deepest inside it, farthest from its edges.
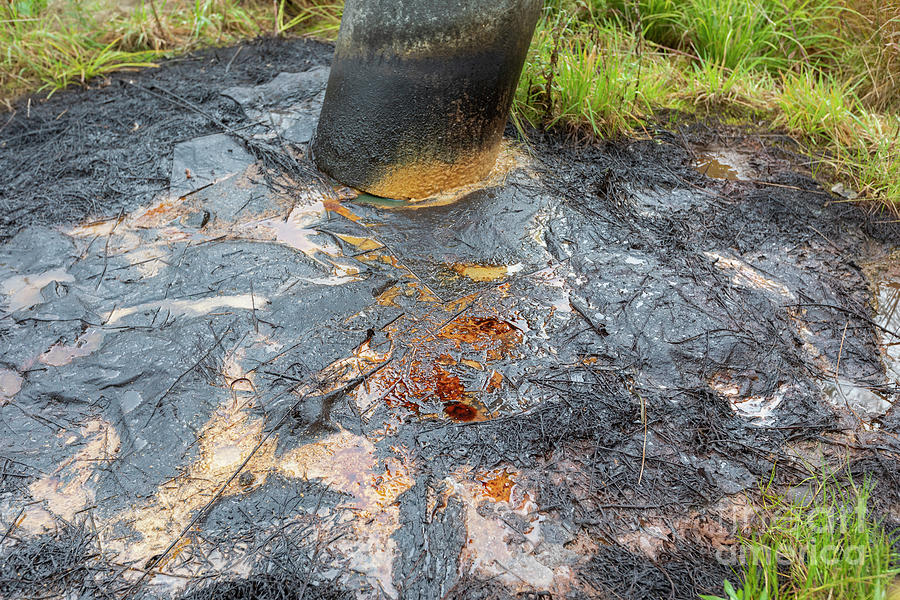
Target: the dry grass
(872, 60)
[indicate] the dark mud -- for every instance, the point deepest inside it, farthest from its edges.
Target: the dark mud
(107, 148)
(570, 382)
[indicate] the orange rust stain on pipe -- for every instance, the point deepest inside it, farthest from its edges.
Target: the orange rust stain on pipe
(422, 179)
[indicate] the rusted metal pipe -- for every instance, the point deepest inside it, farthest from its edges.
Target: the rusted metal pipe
(420, 92)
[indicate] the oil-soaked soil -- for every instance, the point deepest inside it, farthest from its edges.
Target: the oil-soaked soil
(225, 376)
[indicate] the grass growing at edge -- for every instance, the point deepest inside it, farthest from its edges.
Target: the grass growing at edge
(45, 46)
(606, 66)
(852, 141)
(595, 81)
(821, 546)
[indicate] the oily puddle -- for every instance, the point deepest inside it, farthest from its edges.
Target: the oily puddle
(720, 163)
(439, 370)
(449, 363)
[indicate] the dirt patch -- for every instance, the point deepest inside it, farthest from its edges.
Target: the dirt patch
(570, 381)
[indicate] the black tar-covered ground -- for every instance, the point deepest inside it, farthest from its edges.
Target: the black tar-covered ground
(592, 423)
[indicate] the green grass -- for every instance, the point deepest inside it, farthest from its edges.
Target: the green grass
(847, 139)
(823, 545)
(593, 81)
(43, 48)
(825, 71)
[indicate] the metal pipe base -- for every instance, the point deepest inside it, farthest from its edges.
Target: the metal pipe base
(420, 91)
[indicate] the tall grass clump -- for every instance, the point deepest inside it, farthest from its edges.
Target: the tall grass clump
(827, 71)
(168, 25)
(46, 46)
(658, 21)
(852, 141)
(821, 546)
(760, 33)
(774, 34)
(595, 79)
(872, 56)
(820, 108)
(729, 33)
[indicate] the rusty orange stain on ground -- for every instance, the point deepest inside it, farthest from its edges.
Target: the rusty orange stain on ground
(461, 303)
(388, 259)
(432, 372)
(335, 206)
(444, 386)
(389, 486)
(445, 359)
(477, 272)
(387, 297)
(447, 387)
(472, 364)
(363, 244)
(410, 290)
(424, 294)
(159, 214)
(160, 209)
(483, 333)
(173, 554)
(498, 485)
(399, 398)
(463, 413)
(422, 382)
(495, 381)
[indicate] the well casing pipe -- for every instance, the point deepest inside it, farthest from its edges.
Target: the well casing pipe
(420, 91)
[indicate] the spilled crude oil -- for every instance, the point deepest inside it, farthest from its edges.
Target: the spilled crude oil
(570, 376)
